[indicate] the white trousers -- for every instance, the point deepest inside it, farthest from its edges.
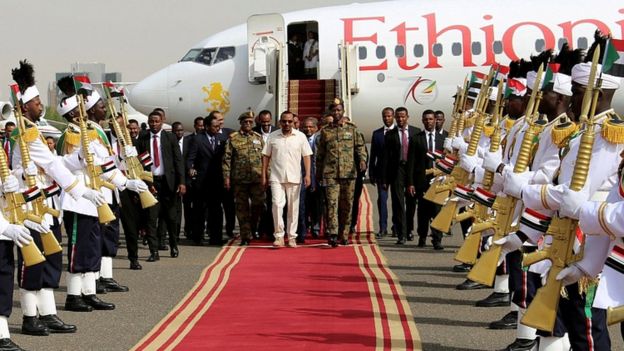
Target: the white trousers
(281, 194)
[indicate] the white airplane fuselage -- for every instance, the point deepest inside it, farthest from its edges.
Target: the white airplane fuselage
(411, 53)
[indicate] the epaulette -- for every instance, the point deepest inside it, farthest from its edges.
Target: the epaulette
(469, 122)
(509, 123)
(488, 130)
(561, 132)
(30, 134)
(351, 124)
(72, 136)
(256, 134)
(613, 129)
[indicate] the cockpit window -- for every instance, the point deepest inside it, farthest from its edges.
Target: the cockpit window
(210, 56)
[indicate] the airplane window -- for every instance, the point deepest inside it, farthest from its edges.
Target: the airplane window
(224, 54)
(380, 52)
(191, 55)
(561, 42)
(497, 47)
(399, 51)
(476, 48)
(581, 43)
(456, 49)
(437, 50)
(418, 50)
(362, 53)
(206, 56)
(539, 45)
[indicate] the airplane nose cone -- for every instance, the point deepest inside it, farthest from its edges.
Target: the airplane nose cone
(150, 93)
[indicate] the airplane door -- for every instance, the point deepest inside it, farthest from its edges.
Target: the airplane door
(265, 35)
(349, 74)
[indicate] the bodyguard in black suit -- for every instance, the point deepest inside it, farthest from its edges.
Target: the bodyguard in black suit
(169, 182)
(427, 140)
(184, 142)
(395, 174)
(375, 168)
(205, 164)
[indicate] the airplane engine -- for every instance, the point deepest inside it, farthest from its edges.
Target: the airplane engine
(6, 110)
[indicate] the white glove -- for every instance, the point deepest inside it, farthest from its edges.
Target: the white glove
(514, 182)
(508, 244)
(491, 161)
(95, 197)
(468, 163)
(459, 144)
(19, 234)
(136, 185)
(42, 227)
(448, 144)
(10, 184)
(544, 276)
(130, 151)
(572, 201)
(31, 169)
(570, 275)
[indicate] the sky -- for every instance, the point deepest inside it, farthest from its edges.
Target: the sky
(134, 37)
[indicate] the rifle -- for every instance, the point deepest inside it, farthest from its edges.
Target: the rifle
(469, 250)
(459, 176)
(39, 206)
(542, 312)
(484, 270)
(134, 168)
(105, 215)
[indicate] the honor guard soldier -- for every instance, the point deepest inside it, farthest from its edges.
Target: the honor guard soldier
(44, 176)
(242, 172)
(339, 145)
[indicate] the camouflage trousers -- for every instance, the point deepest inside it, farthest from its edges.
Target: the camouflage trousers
(338, 202)
(248, 216)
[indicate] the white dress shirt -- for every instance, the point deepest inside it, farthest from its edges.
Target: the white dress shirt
(286, 152)
(160, 170)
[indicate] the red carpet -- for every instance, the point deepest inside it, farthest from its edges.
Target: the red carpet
(309, 298)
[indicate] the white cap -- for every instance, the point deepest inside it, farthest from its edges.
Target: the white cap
(531, 77)
(580, 75)
(92, 99)
(562, 84)
(30, 93)
(67, 105)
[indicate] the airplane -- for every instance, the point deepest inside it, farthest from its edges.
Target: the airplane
(394, 53)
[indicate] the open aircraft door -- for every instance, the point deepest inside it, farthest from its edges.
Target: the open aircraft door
(349, 75)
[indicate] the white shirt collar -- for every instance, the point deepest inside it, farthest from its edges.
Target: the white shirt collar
(157, 134)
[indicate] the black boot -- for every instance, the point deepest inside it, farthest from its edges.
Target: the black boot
(97, 304)
(112, 286)
(153, 257)
(495, 300)
(56, 325)
(522, 345)
(33, 326)
(333, 240)
(509, 321)
(7, 344)
(75, 303)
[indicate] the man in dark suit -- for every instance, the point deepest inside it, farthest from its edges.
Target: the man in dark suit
(168, 170)
(439, 123)
(184, 142)
(395, 175)
(375, 168)
(228, 194)
(205, 164)
(427, 141)
(264, 127)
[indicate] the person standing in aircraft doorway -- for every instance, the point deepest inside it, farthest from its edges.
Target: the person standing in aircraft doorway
(310, 55)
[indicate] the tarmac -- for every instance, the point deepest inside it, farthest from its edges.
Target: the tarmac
(446, 318)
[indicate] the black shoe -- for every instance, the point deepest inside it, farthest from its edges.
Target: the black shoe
(56, 325)
(438, 247)
(97, 304)
(256, 235)
(462, 268)
(300, 240)
(333, 240)
(470, 285)
(76, 304)
(400, 241)
(153, 257)
(174, 252)
(162, 247)
(522, 345)
(410, 237)
(495, 300)
(509, 321)
(135, 265)
(244, 242)
(7, 344)
(112, 286)
(378, 235)
(99, 288)
(344, 242)
(33, 326)
(421, 243)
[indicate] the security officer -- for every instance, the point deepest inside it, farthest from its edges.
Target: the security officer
(242, 171)
(340, 144)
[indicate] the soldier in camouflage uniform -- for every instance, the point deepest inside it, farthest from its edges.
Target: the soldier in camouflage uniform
(242, 171)
(340, 144)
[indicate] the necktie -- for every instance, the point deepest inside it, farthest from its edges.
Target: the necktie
(211, 142)
(430, 142)
(156, 152)
(404, 145)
